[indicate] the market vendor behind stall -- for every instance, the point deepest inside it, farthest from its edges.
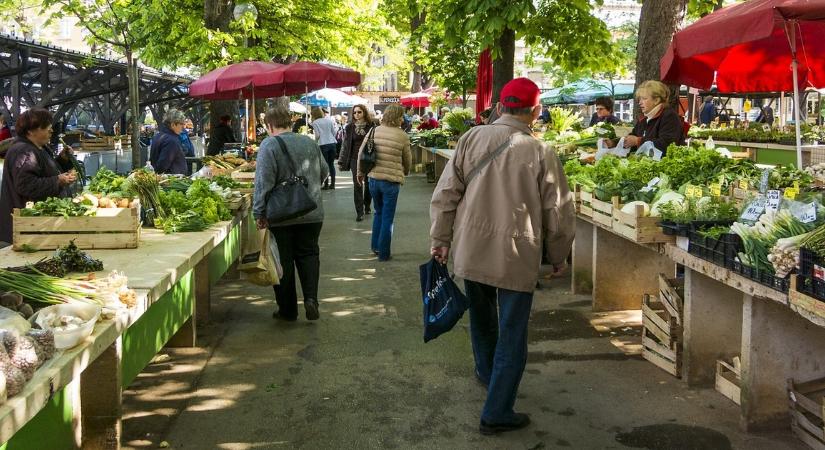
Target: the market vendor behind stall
(31, 171)
(660, 126)
(167, 154)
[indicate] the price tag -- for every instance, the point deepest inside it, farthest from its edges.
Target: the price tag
(774, 200)
(716, 190)
(763, 183)
(743, 184)
(754, 211)
(790, 193)
(807, 214)
(693, 191)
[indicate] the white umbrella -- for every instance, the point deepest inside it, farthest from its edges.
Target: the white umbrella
(297, 108)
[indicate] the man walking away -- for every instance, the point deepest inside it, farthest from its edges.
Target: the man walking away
(501, 196)
(708, 112)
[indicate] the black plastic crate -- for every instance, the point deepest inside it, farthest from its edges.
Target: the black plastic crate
(675, 229)
(813, 287)
(811, 264)
(763, 277)
(733, 245)
(707, 248)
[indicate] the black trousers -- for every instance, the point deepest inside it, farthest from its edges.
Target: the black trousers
(328, 150)
(298, 248)
(361, 194)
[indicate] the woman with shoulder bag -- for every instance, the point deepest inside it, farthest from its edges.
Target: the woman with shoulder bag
(282, 157)
(360, 124)
(392, 163)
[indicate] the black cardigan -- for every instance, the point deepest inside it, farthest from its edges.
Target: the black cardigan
(662, 130)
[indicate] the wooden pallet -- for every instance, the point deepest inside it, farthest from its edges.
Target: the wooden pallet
(603, 211)
(671, 295)
(639, 228)
(729, 381)
(661, 337)
(111, 228)
(585, 203)
(807, 410)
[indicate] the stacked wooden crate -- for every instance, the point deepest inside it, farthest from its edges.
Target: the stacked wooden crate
(808, 411)
(662, 326)
(111, 228)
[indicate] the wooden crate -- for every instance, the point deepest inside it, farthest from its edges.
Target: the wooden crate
(585, 203)
(638, 228)
(243, 176)
(807, 410)
(603, 211)
(111, 228)
(661, 337)
(671, 295)
(729, 381)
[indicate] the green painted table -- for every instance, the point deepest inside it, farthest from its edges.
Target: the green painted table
(173, 275)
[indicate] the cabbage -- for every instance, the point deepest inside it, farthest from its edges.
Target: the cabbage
(630, 208)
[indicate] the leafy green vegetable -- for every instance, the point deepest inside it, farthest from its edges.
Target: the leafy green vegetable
(56, 207)
(106, 182)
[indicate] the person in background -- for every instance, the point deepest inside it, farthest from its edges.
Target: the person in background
(660, 124)
(354, 134)
(444, 111)
(428, 122)
(495, 223)
(298, 121)
(221, 134)
(766, 115)
(393, 162)
(324, 129)
(708, 112)
(5, 131)
(297, 239)
(485, 116)
(545, 115)
(604, 112)
(166, 153)
(406, 124)
(186, 143)
(31, 172)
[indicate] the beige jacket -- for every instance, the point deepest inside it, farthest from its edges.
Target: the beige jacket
(394, 157)
(495, 225)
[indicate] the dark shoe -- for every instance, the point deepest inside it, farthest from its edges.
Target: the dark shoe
(332, 187)
(520, 421)
(311, 307)
(277, 315)
(360, 218)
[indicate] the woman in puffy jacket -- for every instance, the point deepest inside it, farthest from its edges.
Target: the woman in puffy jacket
(360, 124)
(392, 146)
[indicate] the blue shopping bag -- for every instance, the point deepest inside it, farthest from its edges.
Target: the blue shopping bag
(444, 303)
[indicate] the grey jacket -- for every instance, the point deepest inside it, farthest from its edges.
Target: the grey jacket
(272, 167)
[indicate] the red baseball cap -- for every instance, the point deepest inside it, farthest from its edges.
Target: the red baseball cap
(520, 93)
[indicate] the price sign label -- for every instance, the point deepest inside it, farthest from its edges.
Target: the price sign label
(774, 200)
(763, 183)
(693, 191)
(743, 184)
(790, 193)
(754, 211)
(716, 189)
(807, 214)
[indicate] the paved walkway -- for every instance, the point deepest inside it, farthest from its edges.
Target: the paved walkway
(362, 378)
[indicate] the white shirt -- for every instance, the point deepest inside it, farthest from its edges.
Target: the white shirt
(324, 129)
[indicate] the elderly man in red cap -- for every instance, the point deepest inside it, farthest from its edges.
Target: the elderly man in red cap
(501, 197)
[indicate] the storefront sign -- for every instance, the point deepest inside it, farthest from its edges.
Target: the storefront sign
(389, 99)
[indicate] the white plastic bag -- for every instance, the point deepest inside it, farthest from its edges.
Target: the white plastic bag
(648, 149)
(618, 150)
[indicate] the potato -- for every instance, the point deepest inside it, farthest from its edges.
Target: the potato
(104, 202)
(123, 203)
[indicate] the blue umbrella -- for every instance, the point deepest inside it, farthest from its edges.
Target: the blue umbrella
(328, 98)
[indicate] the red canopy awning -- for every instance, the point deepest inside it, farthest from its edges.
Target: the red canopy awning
(233, 81)
(747, 47)
(417, 100)
(302, 77)
(484, 83)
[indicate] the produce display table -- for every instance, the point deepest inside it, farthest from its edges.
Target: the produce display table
(772, 153)
(728, 315)
(172, 275)
(438, 156)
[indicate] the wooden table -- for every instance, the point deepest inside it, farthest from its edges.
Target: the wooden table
(74, 399)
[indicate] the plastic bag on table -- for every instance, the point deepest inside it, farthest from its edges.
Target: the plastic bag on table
(444, 303)
(648, 149)
(268, 270)
(618, 150)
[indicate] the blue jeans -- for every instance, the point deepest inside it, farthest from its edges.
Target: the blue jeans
(328, 150)
(384, 199)
(499, 336)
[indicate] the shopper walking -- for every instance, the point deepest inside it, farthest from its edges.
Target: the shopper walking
(166, 152)
(324, 130)
(297, 238)
(392, 146)
(221, 134)
(501, 196)
(361, 122)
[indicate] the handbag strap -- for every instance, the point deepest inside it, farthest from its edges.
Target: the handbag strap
(371, 140)
(282, 144)
(488, 159)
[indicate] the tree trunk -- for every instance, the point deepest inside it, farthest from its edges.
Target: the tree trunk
(132, 78)
(503, 65)
(217, 15)
(418, 73)
(657, 23)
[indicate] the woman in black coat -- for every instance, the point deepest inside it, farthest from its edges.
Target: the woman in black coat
(661, 125)
(30, 172)
(166, 153)
(360, 124)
